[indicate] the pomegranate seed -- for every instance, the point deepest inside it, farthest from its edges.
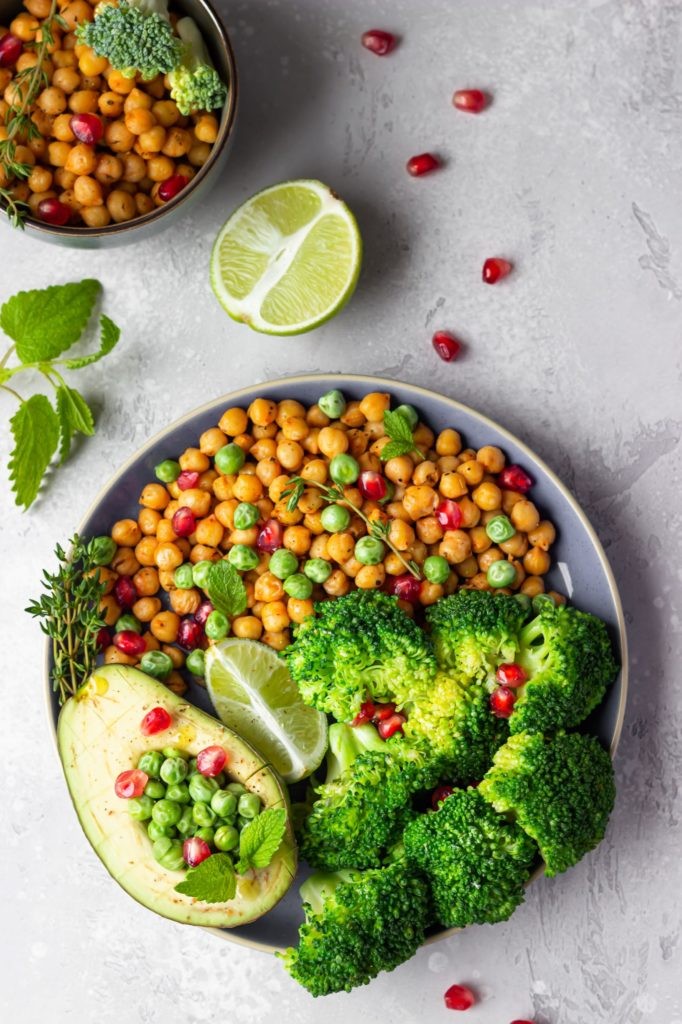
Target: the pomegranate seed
(103, 638)
(459, 997)
(365, 714)
(184, 522)
(494, 269)
(87, 128)
(11, 48)
(424, 163)
(131, 783)
(390, 726)
(514, 478)
(270, 536)
(449, 514)
(190, 633)
(378, 42)
(473, 101)
(169, 188)
(211, 761)
(188, 478)
(511, 674)
(439, 794)
(446, 346)
(523, 1022)
(128, 642)
(203, 612)
(125, 592)
(382, 712)
(372, 485)
(406, 587)
(502, 701)
(195, 850)
(156, 720)
(53, 211)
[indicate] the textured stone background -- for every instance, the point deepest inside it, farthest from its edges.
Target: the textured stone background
(574, 173)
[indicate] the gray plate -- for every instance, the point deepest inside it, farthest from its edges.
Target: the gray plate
(580, 569)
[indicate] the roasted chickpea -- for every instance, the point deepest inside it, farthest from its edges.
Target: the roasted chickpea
(525, 516)
(178, 143)
(261, 412)
(164, 627)
(124, 562)
(112, 655)
(146, 608)
(90, 64)
(275, 617)
(448, 442)
(471, 513)
(168, 556)
(401, 534)
(337, 584)
(247, 627)
(399, 470)
(472, 471)
(425, 472)
(532, 586)
(67, 80)
(487, 496)
(517, 545)
(75, 13)
(82, 159)
(121, 205)
(185, 602)
(84, 101)
(452, 485)
(25, 27)
(332, 441)
(544, 534)
(491, 458)
(88, 191)
(455, 546)
(166, 113)
(370, 577)
(315, 471)
(420, 501)
(118, 138)
(145, 550)
(40, 179)
(429, 530)
(126, 533)
(374, 405)
(146, 581)
(209, 531)
(268, 588)
(58, 153)
(199, 154)
(430, 592)
(536, 562)
(206, 128)
(38, 8)
(278, 641)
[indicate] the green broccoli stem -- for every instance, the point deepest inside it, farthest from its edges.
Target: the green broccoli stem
(346, 743)
(318, 887)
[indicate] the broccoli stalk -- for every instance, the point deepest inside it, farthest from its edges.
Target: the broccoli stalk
(195, 83)
(135, 37)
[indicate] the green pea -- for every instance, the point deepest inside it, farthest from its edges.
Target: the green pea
(318, 569)
(242, 822)
(298, 586)
(155, 789)
(236, 788)
(200, 573)
(168, 852)
(245, 516)
(156, 831)
(167, 471)
(156, 664)
(542, 601)
(221, 779)
(436, 569)
(249, 805)
(229, 459)
(226, 838)
(102, 550)
(202, 788)
(128, 622)
(409, 413)
(224, 803)
(344, 469)
(150, 763)
(390, 493)
(166, 812)
(179, 793)
(369, 550)
(140, 807)
(501, 574)
(196, 662)
(183, 577)
(186, 826)
(525, 601)
(283, 563)
(192, 762)
(332, 404)
(335, 518)
(243, 558)
(174, 770)
(217, 626)
(500, 529)
(174, 752)
(203, 814)
(207, 834)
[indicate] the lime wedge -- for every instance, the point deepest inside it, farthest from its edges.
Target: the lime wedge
(288, 259)
(253, 693)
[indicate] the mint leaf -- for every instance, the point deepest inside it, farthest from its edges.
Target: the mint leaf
(109, 334)
(75, 417)
(225, 589)
(260, 840)
(35, 429)
(397, 427)
(45, 322)
(212, 881)
(395, 448)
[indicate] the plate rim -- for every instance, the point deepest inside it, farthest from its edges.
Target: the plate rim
(383, 383)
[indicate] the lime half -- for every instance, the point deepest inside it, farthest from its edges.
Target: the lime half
(254, 694)
(288, 259)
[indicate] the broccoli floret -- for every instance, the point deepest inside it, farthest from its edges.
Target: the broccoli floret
(475, 860)
(357, 925)
(358, 647)
(568, 658)
(474, 630)
(195, 83)
(135, 37)
(560, 790)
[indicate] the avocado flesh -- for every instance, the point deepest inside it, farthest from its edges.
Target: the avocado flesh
(99, 736)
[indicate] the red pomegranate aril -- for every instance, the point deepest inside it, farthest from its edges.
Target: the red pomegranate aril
(406, 587)
(156, 720)
(103, 638)
(446, 346)
(87, 128)
(203, 612)
(378, 41)
(190, 633)
(131, 783)
(270, 537)
(523, 1022)
(11, 48)
(511, 674)
(53, 211)
(211, 761)
(365, 714)
(514, 478)
(195, 850)
(390, 726)
(188, 479)
(459, 997)
(130, 643)
(382, 712)
(184, 522)
(473, 101)
(494, 269)
(372, 485)
(169, 188)
(439, 794)
(449, 514)
(125, 592)
(423, 163)
(502, 701)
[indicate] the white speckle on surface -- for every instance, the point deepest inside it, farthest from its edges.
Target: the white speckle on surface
(438, 962)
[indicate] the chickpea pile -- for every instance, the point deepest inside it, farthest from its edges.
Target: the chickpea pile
(286, 439)
(145, 140)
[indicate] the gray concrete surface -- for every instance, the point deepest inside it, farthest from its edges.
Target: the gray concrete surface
(574, 173)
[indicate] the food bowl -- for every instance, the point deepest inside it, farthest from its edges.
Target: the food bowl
(222, 55)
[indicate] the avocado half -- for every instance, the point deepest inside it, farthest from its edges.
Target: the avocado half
(99, 736)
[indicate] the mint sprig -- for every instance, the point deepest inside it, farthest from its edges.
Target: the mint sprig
(212, 881)
(400, 433)
(225, 589)
(260, 840)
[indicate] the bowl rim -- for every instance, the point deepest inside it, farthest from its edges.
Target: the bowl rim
(228, 117)
(375, 383)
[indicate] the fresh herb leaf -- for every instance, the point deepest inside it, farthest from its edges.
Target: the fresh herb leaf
(294, 493)
(397, 427)
(35, 429)
(109, 334)
(212, 881)
(75, 417)
(260, 840)
(45, 322)
(395, 448)
(225, 589)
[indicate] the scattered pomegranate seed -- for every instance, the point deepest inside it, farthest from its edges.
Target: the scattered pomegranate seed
(378, 42)
(424, 163)
(459, 997)
(195, 850)
(169, 188)
(473, 101)
(87, 128)
(203, 612)
(372, 485)
(53, 211)
(156, 720)
(125, 592)
(439, 794)
(446, 346)
(511, 674)
(523, 1022)
(270, 537)
(184, 522)
(103, 638)
(131, 783)
(449, 514)
(129, 642)
(365, 714)
(388, 727)
(514, 478)
(382, 712)
(188, 478)
(502, 701)
(211, 761)
(406, 587)
(494, 269)
(11, 48)
(190, 633)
